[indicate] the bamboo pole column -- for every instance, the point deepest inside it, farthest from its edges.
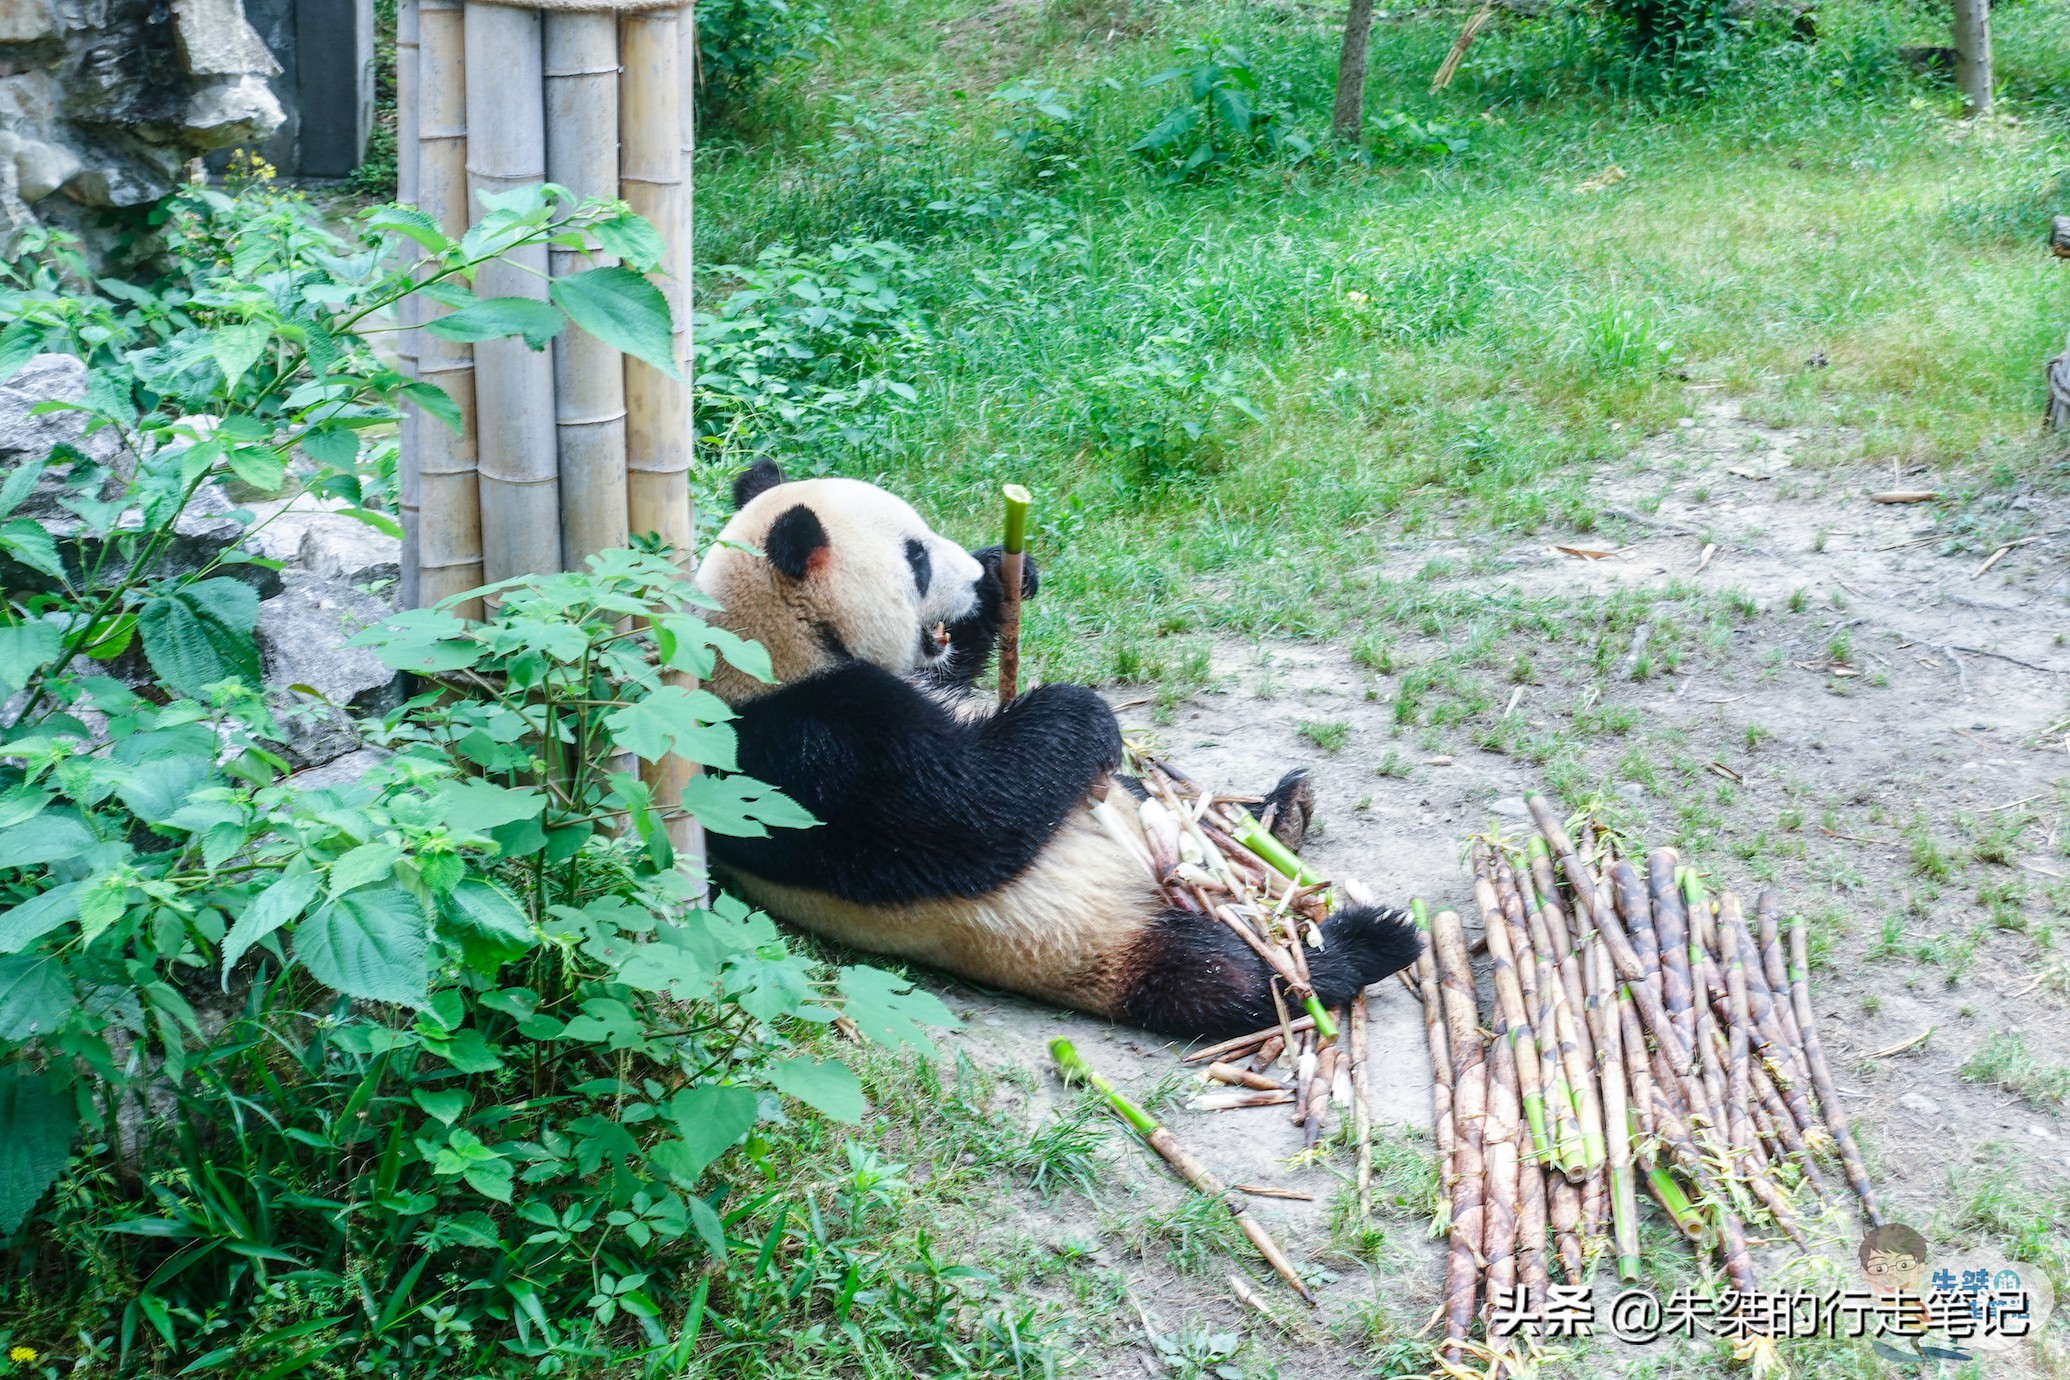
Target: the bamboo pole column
(581, 76)
(506, 149)
(408, 496)
(651, 179)
(449, 534)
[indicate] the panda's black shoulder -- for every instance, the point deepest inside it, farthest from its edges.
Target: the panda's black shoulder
(856, 696)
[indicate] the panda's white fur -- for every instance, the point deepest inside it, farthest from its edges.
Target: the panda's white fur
(955, 834)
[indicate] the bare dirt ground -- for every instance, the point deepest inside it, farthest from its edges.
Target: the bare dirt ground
(1885, 693)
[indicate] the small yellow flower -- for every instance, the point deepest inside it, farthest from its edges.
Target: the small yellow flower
(22, 1355)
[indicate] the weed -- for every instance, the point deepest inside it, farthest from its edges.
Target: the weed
(1329, 734)
(2005, 1063)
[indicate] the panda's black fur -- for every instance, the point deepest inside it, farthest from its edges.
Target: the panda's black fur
(953, 832)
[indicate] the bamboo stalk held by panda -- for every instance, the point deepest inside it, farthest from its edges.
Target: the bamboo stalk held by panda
(1012, 556)
(1075, 1070)
(1238, 1098)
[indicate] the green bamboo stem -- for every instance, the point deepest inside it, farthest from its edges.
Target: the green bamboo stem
(1675, 1203)
(1013, 549)
(1075, 1070)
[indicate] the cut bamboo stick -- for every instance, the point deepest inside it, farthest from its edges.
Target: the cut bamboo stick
(408, 99)
(1011, 557)
(1671, 925)
(1469, 1213)
(1821, 1076)
(1242, 1044)
(1532, 1273)
(1775, 971)
(1243, 1078)
(1441, 1119)
(581, 75)
(1710, 1066)
(1624, 1208)
(1238, 1098)
(1361, 1110)
(1501, 1144)
(1565, 1214)
(1075, 1070)
(506, 149)
(1509, 999)
(449, 524)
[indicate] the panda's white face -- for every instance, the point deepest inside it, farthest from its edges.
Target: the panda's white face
(822, 571)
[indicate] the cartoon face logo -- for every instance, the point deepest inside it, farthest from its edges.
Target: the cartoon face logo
(1893, 1259)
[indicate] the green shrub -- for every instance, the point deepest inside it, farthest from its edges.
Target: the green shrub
(1223, 115)
(740, 42)
(423, 1074)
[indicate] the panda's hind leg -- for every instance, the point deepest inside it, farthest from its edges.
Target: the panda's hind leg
(1187, 975)
(1288, 808)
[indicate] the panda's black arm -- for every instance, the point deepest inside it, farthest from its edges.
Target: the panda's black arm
(913, 802)
(973, 639)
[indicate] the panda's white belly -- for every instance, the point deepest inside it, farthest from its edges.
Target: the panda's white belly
(1061, 930)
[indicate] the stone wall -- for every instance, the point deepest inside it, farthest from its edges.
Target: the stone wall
(104, 103)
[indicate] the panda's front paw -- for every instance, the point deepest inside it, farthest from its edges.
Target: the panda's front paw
(991, 557)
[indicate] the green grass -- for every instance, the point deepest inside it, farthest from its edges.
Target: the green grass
(2005, 1063)
(1435, 343)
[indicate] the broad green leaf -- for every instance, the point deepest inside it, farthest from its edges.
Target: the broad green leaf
(742, 807)
(21, 480)
(622, 309)
(159, 786)
(421, 640)
(37, 1121)
(262, 467)
(491, 927)
(114, 638)
(446, 1103)
(279, 903)
(631, 238)
(43, 840)
(202, 633)
(21, 342)
(335, 446)
(435, 403)
(493, 318)
(1167, 131)
(710, 1119)
(409, 221)
(890, 1009)
(236, 348)
(662, 967)
(367, 863)
(99, 907)
(474, 806)
(25, 649)
(821, 1083)
(368, 944)
(689, 723)
(35, 994)
(38, 916)
(33, 547)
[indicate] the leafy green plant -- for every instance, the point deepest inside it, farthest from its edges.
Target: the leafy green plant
(1623, 339)
(1042, 126)
(1170, 408)
(431, 1070)
(1222, 117)
(741, 42)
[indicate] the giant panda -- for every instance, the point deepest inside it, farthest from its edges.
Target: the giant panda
(953, 832)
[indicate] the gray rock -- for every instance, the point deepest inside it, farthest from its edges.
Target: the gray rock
(25, 21)
(2040, 1132)
(1631, 790)
(1920, 1103)
(344, 548)
(116, 186)
(1509, 807)
(231, 112)
(41, 168)
(301, 635)
(48, 378)
(341, 771)
(215, 40)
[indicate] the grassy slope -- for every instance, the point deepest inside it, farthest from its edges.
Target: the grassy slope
(1818, 202)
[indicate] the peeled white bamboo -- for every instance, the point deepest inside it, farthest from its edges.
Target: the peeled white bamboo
(581, 74)
(657, 423)
(449, 534)
(506, 149)
(406, 97)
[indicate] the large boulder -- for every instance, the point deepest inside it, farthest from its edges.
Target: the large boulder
(315, 683)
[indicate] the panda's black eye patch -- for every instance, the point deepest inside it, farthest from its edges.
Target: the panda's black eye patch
(922, 563)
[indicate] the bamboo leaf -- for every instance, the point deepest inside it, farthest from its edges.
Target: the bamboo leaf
(622, 309)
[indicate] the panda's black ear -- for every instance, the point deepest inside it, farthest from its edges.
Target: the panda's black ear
(793, 541)
(754, 481)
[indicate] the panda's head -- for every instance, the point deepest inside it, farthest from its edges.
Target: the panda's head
(827, 571)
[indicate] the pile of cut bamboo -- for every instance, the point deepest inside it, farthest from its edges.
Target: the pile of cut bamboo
(1212, 857)
(1641, 1032)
